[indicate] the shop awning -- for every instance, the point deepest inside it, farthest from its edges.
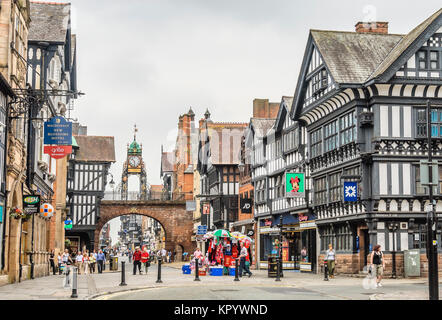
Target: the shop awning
(242, 222)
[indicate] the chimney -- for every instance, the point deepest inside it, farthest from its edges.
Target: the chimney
(372, 27)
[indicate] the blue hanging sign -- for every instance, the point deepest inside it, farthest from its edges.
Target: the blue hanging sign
(350, 191)
(58, 131)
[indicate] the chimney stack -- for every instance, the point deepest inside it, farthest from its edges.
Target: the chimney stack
(372, 27)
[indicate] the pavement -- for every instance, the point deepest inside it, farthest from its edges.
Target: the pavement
(294, 285)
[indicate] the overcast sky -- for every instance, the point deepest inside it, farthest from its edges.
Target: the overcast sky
(148, 61)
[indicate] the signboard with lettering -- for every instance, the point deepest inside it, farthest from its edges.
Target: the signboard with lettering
(31, 204)
(202, 229)
(206, 208)
(246, 205)
(58, 131)
(57, 152)
(294, 185)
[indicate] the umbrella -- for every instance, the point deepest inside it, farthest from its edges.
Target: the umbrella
(237, 235)
(222, 233)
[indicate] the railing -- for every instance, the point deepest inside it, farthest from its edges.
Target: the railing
(136, 196)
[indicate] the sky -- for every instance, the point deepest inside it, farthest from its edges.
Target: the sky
(146, 62)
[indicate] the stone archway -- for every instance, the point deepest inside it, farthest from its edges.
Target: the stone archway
(172, 215)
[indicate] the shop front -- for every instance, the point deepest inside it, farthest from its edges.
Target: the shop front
(299, 239)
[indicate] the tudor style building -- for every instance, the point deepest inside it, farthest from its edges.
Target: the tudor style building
(359, 96)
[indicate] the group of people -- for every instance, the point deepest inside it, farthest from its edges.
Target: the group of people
(84, 261)
(376, 263)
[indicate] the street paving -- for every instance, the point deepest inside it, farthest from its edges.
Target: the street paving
(178, 286)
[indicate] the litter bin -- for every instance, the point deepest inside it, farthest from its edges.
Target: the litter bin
(273, 267)
(412, 263)
(114, 263)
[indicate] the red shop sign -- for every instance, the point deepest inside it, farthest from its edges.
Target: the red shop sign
(268, 222)
(57, 152)
(303, 217)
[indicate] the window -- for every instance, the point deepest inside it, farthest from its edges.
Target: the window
(327, 238)
(436, 123)
(331, 136)
(434, 60)
(335, 187)
(420, 237)
(422, 59)
(319, 81)
(320, 192)
(348, 128)
(428, 60)
(420, 189)
(315, 143)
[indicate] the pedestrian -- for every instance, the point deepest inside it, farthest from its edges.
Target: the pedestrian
(170, 256)
(164, 254)
(51, 261)
(377, 261)
(137, 260)
(145, 259)
(100, 261)
(86, 262)
(60, 263)
(242, 262)
(304, 254)
(92, 262)
(130, 256)
(330, 257)
(79, 261)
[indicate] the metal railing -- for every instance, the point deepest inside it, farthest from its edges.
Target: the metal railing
(136, 196)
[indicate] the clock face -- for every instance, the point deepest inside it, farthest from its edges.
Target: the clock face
(134, 162)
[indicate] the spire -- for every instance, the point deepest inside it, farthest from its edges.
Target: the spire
(207, 114)
(190, 112)
(135, 132)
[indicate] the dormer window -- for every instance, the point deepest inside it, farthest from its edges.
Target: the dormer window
(319, 81)
(428, 60)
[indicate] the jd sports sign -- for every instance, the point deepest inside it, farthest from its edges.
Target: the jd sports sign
(246, 205)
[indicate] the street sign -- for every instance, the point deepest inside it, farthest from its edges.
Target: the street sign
(31, 204)
(202, 229)
(246, 205)
(57, 152)
(294, 185)
(58, 131)
(350, 191)
(68, 224)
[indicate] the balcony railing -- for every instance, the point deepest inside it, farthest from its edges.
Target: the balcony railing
(136, 196)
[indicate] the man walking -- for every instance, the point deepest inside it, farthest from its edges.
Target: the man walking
(79, 261)
(100, 260)
(242, 264)
(137, 260)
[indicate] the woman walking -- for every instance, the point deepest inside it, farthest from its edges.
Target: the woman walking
(92, 262)
(52, 262)
(145, 258)
(377, 260)
(330, 257)
(86, 263)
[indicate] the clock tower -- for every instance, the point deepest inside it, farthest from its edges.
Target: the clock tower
(134, 165)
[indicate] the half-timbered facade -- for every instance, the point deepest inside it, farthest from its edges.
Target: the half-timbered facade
(365, 123)
(219, 156)
(87, 178)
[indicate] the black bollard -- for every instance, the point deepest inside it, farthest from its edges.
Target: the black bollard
(325, 271)
(278, 270)
(123, 274)
(159, 270)
(197, 272)
(74, 284)
(236, 270)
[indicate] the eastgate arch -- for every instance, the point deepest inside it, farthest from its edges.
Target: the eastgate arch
(172, 215)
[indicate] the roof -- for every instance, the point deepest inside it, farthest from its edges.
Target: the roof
(225, 142)
(352, 57)
(261, 126)
(405, 42)
(134, 148)
(49, 21)
(95, 149)
(288, 102)
(167, 161)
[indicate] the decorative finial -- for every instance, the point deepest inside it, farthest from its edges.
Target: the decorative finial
(135, 132)
(207, 114)
(190, 112)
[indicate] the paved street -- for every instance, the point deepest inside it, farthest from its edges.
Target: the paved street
(176, 286)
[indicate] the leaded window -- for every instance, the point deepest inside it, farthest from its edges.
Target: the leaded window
(348, 128)
(319, 81)
(335, 187)
(422, 59)
(315, 143)
(436, 123)
(331, 136)
(320, 194)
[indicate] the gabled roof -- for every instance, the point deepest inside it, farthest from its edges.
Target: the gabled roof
(95, 149)
(261, 126)
(404, 48)
(284, 109)
(352, 57)
(49, 21)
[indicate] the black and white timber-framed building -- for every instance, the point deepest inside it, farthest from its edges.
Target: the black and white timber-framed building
(86, 182)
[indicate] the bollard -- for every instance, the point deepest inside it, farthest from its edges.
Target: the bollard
(325, 271)
(159, 270)
(197, 273)
(123, 274)
(236, 270)
(74, 284)
(278, 270)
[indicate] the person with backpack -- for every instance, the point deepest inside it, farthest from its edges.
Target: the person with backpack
(378, 263)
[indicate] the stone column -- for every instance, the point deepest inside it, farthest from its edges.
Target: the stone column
(60, 203)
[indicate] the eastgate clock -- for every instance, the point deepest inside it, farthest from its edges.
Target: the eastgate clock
(134, 161)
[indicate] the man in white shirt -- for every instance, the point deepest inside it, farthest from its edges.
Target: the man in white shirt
(163, 254)
(79, 261)
(242, 265)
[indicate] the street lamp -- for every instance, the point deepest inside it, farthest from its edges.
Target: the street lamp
(279, 258)
(393, 226)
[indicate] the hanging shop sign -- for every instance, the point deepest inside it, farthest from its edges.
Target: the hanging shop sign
(294, 185)
(68, 224)
(350, 191)
(47, 210)
(57, 152)
(206, 208)
(246, 205)
(58, 131)
(31, 204)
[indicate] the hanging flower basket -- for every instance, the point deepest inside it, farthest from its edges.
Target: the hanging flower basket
(18, 213)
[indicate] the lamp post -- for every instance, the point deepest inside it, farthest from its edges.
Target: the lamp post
(393, 226)
(278, 259)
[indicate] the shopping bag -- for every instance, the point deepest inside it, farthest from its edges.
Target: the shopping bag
(369, 282)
